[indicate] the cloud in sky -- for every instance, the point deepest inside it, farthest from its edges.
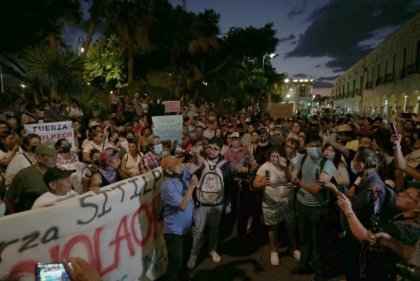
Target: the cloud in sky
(327, 78)
(322, 84)
(289, 38)
(337, 29)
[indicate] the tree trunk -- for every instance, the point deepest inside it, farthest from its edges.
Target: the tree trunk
(52, 41)
(53, 91)
(130, 67)
(90, 31)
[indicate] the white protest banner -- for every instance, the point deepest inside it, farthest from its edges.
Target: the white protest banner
(115, 230)
(52, 131)
(172, 106)
(168, 127)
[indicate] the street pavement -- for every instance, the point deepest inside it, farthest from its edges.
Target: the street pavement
(249, 260)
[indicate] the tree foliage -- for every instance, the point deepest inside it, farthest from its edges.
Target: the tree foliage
(105, 63)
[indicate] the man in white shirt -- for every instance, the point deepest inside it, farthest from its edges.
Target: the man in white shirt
(59, 188)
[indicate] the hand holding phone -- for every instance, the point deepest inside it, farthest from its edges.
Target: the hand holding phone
(51, 271)
(393, 128)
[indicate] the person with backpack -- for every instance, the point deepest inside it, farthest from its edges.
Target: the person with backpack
(212, 196)
(313, 211)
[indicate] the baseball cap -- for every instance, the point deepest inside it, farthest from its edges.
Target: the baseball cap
(46, 148)
(56, 173)
(170, 162)
(343, 128)
(235, 135)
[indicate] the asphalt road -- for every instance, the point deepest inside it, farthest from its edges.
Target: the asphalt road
(249, 260)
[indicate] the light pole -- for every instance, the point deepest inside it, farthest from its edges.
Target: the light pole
(271, 56)
(405, 103)
(23, 86)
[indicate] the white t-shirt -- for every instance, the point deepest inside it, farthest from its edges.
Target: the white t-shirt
(276, 191)
(49, 198)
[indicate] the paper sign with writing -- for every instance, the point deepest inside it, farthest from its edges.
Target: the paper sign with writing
(52, 131)
(172, 106)
(281, 110)
(115, 230)
(168, 127)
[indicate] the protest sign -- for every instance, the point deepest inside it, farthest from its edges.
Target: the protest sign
(52, 131)
(172, 106)
(115, 230)
(168, 127)
(281, 110)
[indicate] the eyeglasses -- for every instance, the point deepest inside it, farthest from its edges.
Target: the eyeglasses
(406, 194)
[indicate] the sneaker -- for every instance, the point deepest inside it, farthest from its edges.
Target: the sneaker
(296, 254)
(274, 259)
(215, 256)
(191, 262)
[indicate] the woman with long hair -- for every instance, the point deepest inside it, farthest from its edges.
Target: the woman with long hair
(275, 178)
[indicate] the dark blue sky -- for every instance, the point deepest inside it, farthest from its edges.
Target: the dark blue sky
(318, 38)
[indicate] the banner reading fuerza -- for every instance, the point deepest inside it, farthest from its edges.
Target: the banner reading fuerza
(52, 131)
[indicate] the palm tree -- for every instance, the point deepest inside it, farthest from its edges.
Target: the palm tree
(51, 67)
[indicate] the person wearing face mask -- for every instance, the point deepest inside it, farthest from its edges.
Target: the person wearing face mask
(176, 194)
(367, 199)
(23, 159)
(68, 160)
(153, 157)
(313, 211)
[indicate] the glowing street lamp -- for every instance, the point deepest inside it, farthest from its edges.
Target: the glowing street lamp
(271, 56)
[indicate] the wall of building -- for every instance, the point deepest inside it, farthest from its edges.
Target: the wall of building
(387, 80)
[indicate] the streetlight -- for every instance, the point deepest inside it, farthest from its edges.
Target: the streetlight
(23, 86)
(286, 80)
(271, 56)
(405, 103)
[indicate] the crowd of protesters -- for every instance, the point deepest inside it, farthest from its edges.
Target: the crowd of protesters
(344, 189)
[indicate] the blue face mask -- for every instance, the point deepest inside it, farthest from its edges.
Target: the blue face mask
(158, 148)
(2, 209)
(314, 152)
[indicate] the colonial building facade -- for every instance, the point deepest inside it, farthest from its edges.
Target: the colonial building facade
(387, 80)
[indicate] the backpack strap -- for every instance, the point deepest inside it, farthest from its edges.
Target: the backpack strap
(299, 175)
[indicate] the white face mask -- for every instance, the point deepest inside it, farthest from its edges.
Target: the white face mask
(158, 148)
(2, 209)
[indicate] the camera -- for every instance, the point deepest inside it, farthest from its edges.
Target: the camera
(409, 271)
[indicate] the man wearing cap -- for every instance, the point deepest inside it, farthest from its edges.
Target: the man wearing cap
(59, 187)
(28, 184)
(176, 194)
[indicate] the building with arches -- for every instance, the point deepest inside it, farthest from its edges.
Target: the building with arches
(386, 81)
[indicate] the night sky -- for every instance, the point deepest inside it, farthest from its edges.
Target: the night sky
(318, 38)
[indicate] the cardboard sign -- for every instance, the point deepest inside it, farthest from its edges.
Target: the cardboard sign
(168, 127)
(52, 131)
(281, 110)
(172, 106)
(114, 230)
